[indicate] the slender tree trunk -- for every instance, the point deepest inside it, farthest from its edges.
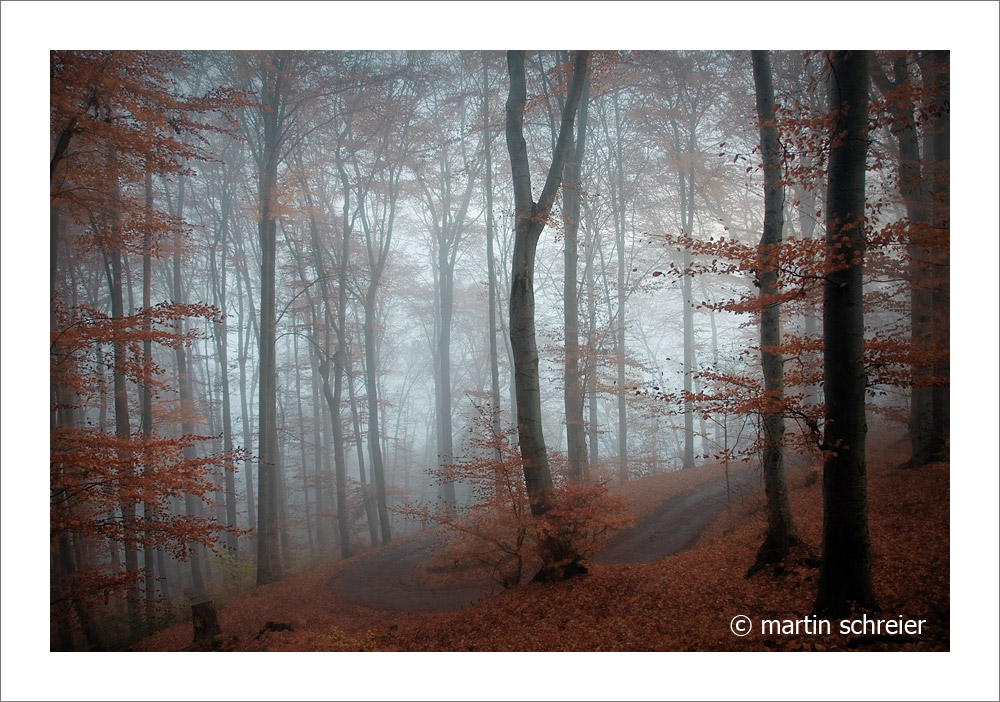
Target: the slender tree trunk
(911, 188)
(491, 263)
(192, 504)
(303, 454)
(591, 370)
(222, 352)
(245, 412)
(374, 444)
(321, 439)
(938, 68)
(576, 440)
(687, 216)
(845, 572)
(148, 509)
(113, 268)
(780, 528)
(123, 430)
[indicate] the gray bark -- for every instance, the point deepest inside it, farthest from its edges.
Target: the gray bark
(269, 565)
(780, 528)
(576, 440)
(530, 219)
(490, 262)
(845, 571)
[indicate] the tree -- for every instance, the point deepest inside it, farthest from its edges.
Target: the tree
(576, 439)
(266, 129)
(780, 529)
(936, 68)
(530, 219)
(845, 571)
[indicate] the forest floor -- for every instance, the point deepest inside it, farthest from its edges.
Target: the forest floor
(682, 602)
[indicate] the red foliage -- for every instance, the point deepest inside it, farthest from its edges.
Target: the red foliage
(117, 120)
(498, 529)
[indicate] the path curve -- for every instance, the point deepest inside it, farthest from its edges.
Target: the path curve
(390, 578)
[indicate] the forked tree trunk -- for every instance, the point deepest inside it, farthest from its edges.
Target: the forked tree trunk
(530, 219)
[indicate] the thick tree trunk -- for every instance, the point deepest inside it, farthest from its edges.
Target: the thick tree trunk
(780, 528)
(530, 218)
(845, 572)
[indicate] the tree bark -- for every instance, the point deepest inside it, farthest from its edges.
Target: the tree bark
(491, 263)
(576, 440)
(845, 571)
(780, 528)
(148, 509)
(269, 566)
(898, 92)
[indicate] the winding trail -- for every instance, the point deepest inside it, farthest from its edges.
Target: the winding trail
(390, 578)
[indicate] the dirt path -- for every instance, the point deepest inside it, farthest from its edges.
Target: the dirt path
(391, 578)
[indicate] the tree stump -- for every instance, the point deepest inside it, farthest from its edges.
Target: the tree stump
(206, 621)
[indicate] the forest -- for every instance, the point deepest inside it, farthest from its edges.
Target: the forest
(478, 350)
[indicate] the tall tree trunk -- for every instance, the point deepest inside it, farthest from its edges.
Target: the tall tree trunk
(374, 443)
(590, 372)
(491, 263)
(113, 270)
(530, 218)
(222, 352)
(192, 504)
(367, 497)
(303, 454)
(576, 440)
(123, 430)
(898, 92)
(780, 528)
(938, 69)
(269, 566)
(241, 352)
(845, 572)
(687, 218)
(148, 509)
